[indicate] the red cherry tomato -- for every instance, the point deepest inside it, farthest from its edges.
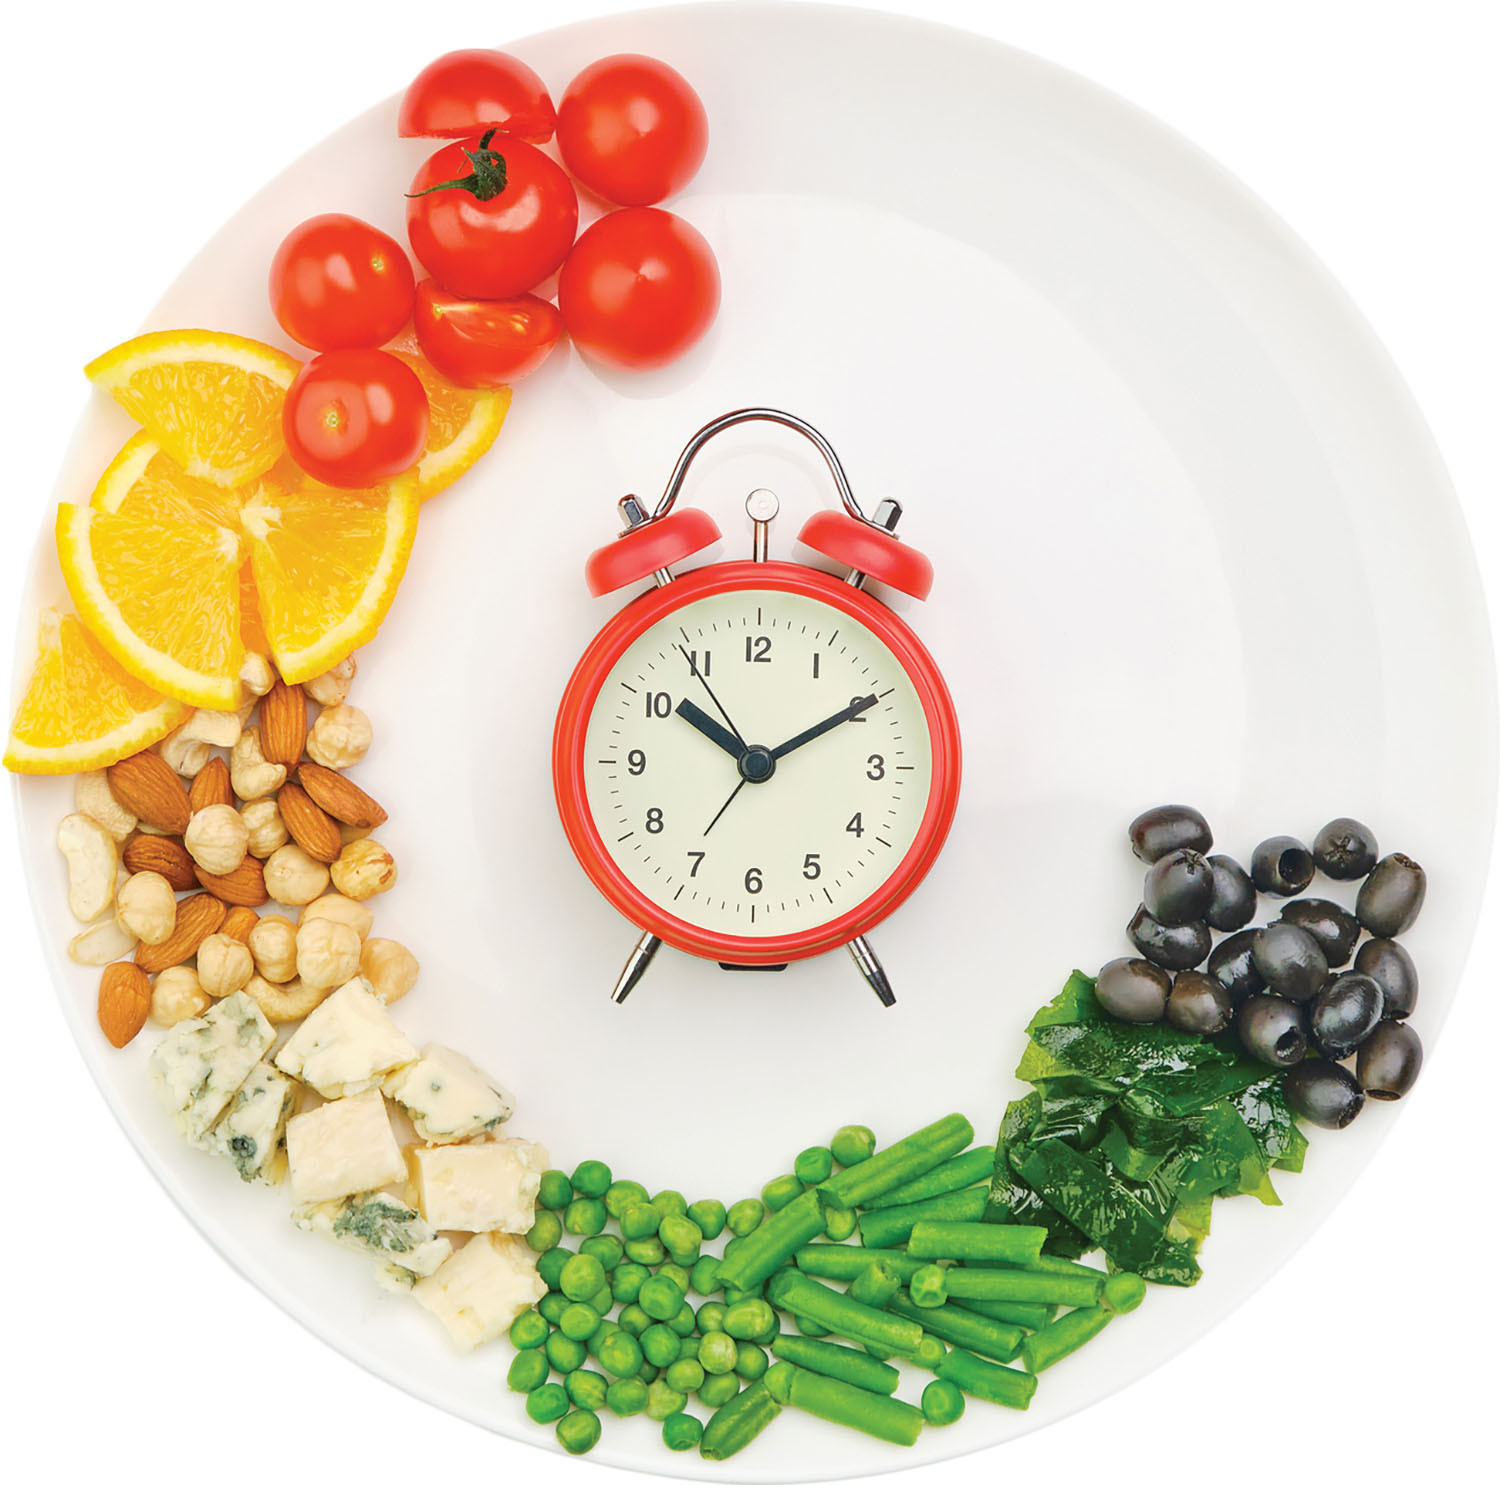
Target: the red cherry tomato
(338, 282)
(491, 222)
(467, 92)
(639, 288)
(632, 130)
(484, 342)
(354, 418)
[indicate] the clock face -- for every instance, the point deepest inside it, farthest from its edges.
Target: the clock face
(757, 763)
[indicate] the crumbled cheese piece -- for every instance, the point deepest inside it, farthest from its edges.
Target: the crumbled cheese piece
(378, 1226)
(342, 1147)
(482, 1288)
(199, 1064)
(251, 1130)
(488, 1187)
(447, 1098)
(347, 1045)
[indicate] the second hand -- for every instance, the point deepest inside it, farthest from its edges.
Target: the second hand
(728, 721)
(724, 806)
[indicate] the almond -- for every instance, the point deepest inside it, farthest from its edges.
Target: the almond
(146, 785)
(344, 800)
(211, 786)
(313, 830)
(197, 917)
(238, 922)
(283, 724)
(124, 1001)
(163, 855)
(245, 886)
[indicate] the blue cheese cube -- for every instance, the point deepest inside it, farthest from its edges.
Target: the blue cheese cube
(487, 1187)
(381, 1227)
(199, 1064)
(250, 1132)
(447, 1098)
(482, 1288)
(342, 1147)
(347, 1045)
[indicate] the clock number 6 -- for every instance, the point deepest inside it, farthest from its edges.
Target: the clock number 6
(753, 882)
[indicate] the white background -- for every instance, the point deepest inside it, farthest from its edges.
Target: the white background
(131, 131)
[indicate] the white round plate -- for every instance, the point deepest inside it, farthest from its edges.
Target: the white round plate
(1192, 542)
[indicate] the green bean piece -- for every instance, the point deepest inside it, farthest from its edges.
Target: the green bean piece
(545, 1232)
(685, 1375)
(779, 1381)
(639, 1220)
(579, 1431)
(620, 1354)
(1050, 1263)
(780, 1190)
(585, 1216)
(528, 1370)
(1063, 1337)
(734, 1296)
(555, 1190)
(745, 1216)
(627, 1397)
(634, 1321)
(711, 1317)
(968, 1169)
(748, 1319)
(670, 1203)
(587, 1389)
(843, 1362)
(551, 1306)
(891, 1226)
(710, 1217)
(660, 1346)
(625, 1283)
(645, 1250)
(981, 1242)
(579, 1321)
(1029, 1317)
(592, 1178)
(930, 1352)
(978, 1333)
(606, 1249)
(765, 1249)
(804, 1297)
(874, 1284)
(928, 1287)
(704, 1278)
(838, 1402)
(620, 1195)
(565, 1354)
(547, 1403)
(839, 1226)
(1025, 1285)
(738, 1421)
(718, 1388)
(814, 1164)
(682, 1238)
(549, 1265)
(681, 1431)
(1005, 1385)
(846, 1262)
(1123, 1292)
(582, 1275)
(662, 1400)
(858, 1185)
(717, 1353)
(529, 1329)
(942, 1403)
(852, 1144)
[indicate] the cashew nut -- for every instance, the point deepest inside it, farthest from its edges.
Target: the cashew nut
(176, 995)
(224, 965)
(89, 850)
(256, 675)
(287, 1002)
(184, 755)
(342, 910)
(327, 953)
(101, 943)
(364, 868)
(249, 773)
(340, 736)
(146, 906)
(216, 838)
(217, 729)
(94, 798)
(273, 945)
(332, 687)
(391, 968)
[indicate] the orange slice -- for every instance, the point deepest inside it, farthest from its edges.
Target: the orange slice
(80, 710)
(163, 597)
(211, 400)
(327, 564)
(462, 424)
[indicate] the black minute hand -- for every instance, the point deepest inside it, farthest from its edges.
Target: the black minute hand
(697, 717)
(855, 707)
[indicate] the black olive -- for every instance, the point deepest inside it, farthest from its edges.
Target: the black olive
(1336, 931)
(1391, 896)
(1390, 966)
(1323, 1093)
(1199, 1004)
(1272, 1030)
(1231, 904)
(1344, 849)
(1345, 1013)
(1132, 990)
(1389, 1061)
(1281, 866)
(1169, 827)
(1290, 961)
(1178, 887)
(1232, 964)
(1181, 946)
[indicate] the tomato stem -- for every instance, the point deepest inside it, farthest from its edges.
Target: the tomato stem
(485, 182)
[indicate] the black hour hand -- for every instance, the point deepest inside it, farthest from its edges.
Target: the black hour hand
(697, 717)
(855, 707)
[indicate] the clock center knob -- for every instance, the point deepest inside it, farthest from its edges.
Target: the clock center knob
(756, 764)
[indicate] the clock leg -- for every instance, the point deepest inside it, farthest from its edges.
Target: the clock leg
(871, 968)
(637, 965)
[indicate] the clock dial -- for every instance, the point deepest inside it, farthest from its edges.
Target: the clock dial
(757, 763)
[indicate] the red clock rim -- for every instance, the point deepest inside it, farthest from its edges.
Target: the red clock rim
(582, 692)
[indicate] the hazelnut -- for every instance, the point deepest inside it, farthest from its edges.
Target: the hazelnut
(264, 826)
(224, 965)
(364, 868)
(332, 687)
(391, 968)
(146, 907)
(340, 736)
(176, 995)
(216, 838)
(273, 946)
(341, 910)
(327, 953)
(293, 877)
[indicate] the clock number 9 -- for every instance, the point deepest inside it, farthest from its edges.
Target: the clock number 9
(635, 762)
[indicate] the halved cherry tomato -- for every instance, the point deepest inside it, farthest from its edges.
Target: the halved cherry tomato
(338, 282)
(491, 222)
(484, 342)
(467, 92)
(354, 418)
(639, 288)
(631, 129)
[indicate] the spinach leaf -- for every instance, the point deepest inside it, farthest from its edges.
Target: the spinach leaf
(1074, 1002)
(1264, 1109)
(1118, 1054)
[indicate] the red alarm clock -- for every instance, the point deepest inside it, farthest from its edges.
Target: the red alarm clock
(756, 761)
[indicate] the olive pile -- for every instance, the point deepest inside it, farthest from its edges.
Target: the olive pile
(1283, 987)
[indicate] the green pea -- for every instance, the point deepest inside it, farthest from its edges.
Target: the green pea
(717, 1353)
(626, 1281)
(606, 1249)
(680, 1276)
(648, 1372)
(565, 1354)
(620, 1195)
(684, 1322)
(685, 1375)
(585, 1216)
(579, 1432)
(550, 1266)
(634, 1320)
(745, 1216)
(547, 1403)
(527, 1371)
(738, 1296)
(748, 1319)
(606, 1329)
(852, 1143)
(704, 1278)
(582, 1275)
(639, 1220)
(839, 1226)
(810, 1328)
(750, 1361)
(670, 1203)
(592, 1178)
(660, 1346)
(603, 1301)
(663, 1400)
(528, 1329)
(555, 1191)
(551, 1306)
(646, 1250)
(681, 1431)
(780, 1190)
(587, 1389)
(928, 1286)
(710, 1217)
(710, 1317)
(579, 1321)
(661, 1296)
(626, 1398)
(682, 1238)
(546, 1232)
(814, 1164)
(717, 1390)
(620, 1354)
(942, 1402)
